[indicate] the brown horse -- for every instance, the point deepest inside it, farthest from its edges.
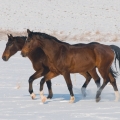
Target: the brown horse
(38, 59)
(64, 59)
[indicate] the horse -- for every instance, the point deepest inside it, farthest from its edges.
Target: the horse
(64, 59)
(38, 59)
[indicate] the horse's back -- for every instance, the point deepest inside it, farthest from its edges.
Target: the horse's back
(94, 54)
(104, 54)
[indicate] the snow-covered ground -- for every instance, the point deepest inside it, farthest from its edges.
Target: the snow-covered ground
(16, 104)
(69, 20)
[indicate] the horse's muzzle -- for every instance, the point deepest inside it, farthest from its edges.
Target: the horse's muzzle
(4, 58)
(23, 54)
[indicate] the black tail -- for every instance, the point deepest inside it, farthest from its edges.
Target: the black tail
(114, 74)
(116, 49)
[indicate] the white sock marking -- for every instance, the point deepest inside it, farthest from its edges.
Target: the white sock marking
(117, 96)
(32, 95)
(41, 94)
(72, 99)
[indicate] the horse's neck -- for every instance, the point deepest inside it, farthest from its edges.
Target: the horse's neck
(21, 43)
(32, 55)
(36, 55)
(52, 48)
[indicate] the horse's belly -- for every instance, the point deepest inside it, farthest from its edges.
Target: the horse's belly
(82, 68)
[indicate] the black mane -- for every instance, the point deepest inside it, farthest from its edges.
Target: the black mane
(19, 38)
(49, 37)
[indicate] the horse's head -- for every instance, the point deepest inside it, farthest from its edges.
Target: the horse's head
(30, 44)
(12, 46)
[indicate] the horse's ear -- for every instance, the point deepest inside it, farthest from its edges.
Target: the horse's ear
(28, 31)
(8, 36)
(11, 36)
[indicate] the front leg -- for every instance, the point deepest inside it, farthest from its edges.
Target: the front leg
(43, 98)
(31, 79)
(69, 85)
(47, 77)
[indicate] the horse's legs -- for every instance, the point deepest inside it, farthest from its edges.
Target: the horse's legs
(113, 83)
(69, 85)
(43, 98)
(32, 78)
(88, 78)
(104, 73)
(95, 76)
(49, 84)
(90, 74)
(50, 75)
(47, 77)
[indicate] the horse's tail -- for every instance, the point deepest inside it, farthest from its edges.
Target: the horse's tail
(113, 73)
(116, 49)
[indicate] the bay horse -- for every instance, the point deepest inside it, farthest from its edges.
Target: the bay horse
(37, 57)
(64, 59)
(39, 62)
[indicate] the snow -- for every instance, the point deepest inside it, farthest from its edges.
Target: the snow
(69, 20)
(80, 15)
(16, 104)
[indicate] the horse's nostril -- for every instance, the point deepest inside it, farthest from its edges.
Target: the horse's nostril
(4, 58)
(23, 54)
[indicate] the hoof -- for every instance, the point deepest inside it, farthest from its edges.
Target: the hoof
(117, 100)
(49, 96)
(43, 99)
(84, 94)
(32, 96)
(98, 99)
(72, 99)
(83, 90)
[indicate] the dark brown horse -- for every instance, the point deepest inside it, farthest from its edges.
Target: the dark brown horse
(38, 59)
(64, 59)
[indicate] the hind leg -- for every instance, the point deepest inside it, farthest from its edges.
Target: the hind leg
(49, 84)
(88, 78)
(113, 83)
(95, 76)
(100, 90)
(90, 74)
(104, 73)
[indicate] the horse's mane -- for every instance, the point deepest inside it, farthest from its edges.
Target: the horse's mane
(49, 37)
(83, 44)
(19, 38)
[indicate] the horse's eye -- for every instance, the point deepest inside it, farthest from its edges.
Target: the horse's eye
(27, 40)
(9, 44)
